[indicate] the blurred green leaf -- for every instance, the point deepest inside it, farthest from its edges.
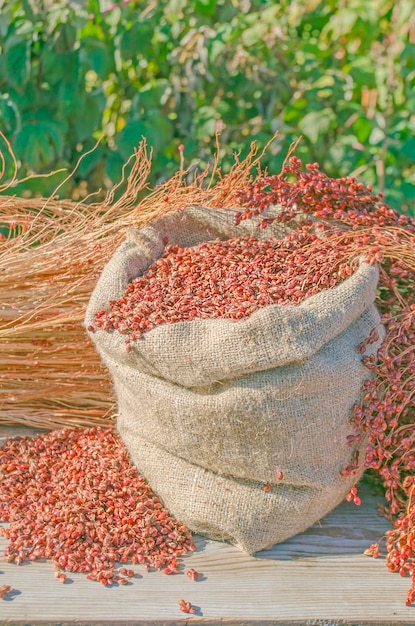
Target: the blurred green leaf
(408, 148)
(89, 113)
(207, 7)
(408, 191)
(113, 166)
(65, 38)
(29, 10)
(130, 137)
(89, 161)
(135, 40)
(160, 131)
(153, 95)
(254, 34)
(17, 62)
(376, 136)
(96, 55)
(157, 130)
(9, 115)
(316, 123)
(363, 129)
(39, 144)
(362, 72)
(340, 23)
(56, 68)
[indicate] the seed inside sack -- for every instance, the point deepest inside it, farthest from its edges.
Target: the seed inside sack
(72, 496)
(225, 279)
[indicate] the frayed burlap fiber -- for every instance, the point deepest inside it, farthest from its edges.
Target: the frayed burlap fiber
(211, 410)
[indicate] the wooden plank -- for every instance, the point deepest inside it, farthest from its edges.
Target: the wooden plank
(319, 577)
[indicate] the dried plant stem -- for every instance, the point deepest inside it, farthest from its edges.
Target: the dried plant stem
(50, 374)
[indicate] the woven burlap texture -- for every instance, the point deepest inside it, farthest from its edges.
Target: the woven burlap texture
(211, 410)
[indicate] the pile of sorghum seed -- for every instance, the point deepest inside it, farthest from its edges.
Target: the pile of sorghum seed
(72, 496)
(227, 279)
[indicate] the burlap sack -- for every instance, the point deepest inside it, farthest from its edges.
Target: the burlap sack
(211, 410)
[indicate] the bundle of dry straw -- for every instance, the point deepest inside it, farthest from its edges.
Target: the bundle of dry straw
(50, 373)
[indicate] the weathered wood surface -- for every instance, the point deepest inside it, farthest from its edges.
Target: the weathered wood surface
(319, 577)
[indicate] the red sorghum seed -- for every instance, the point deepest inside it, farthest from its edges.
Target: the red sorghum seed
(353, 497)
(61, 577)
(228, 279)
(73, 496)
(186, 607)
(4, 590)
(192, 574)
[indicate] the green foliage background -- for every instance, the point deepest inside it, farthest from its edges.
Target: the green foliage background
(341, 73)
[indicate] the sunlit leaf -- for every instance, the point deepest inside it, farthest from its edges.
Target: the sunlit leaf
(207, 7)
(254, 34)
(362, 127)
(340, 23)
(316, 123)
